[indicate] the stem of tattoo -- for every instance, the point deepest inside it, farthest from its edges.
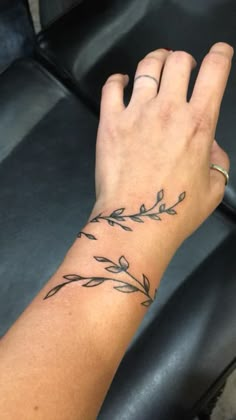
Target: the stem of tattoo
(117, 217)
(122, 286)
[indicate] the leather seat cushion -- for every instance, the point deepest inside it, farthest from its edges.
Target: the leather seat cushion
(46, 181)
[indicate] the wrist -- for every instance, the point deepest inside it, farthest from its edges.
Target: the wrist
(158, 214)
(151, 241)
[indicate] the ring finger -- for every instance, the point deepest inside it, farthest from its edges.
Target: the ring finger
(145, 88)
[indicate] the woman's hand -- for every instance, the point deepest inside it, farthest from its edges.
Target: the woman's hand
(161, 141)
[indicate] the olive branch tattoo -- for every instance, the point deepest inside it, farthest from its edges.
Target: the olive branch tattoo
(153, 213)
(122, 286)
(87, 235)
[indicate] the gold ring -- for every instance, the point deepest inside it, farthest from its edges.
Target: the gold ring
(222, 171)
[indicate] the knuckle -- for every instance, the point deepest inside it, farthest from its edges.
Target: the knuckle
(166, 110)
(113, 129)
(150, 59)
(202, 120)
(180, 56)
(120, 127)
(114, 78)
(153, 55)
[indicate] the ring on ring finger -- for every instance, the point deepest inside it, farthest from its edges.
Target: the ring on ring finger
(148, 75)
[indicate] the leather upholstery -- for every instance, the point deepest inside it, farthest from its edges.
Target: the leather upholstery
(120, 32)
(18, 114)
(46, 182)
(16, 31)
(52, 10)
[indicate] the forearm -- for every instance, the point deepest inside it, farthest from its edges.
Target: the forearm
(78, 335)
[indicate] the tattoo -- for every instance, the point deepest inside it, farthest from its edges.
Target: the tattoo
(87, 235)
(131, 286)
(153, 213)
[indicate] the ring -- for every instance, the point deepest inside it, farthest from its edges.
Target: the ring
(221, 170)
(149, 77)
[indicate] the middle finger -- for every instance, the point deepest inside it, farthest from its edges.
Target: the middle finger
(176, 76)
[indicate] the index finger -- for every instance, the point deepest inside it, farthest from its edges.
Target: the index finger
(212, 79)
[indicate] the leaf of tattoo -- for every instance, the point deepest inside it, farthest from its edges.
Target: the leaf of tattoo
(53, 291)
(143, 209)
(117, 212)
(94, 283)
(102, 259)
(128, 288)
(123, 263)
(171, 211)
(162, 208)
(146, 283)
(115, 218)
(124, 286)
(72, 277)
(128, 229)
(136, 219)
(160, 196)
(87, 235)
(114, 269)
(182, 196)
(147, 303)
(120, 218)
(154, 217)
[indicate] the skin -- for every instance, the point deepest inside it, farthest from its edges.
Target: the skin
(59, 358)
(167, 133)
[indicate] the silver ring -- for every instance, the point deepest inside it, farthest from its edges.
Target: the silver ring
(149, 77)
(222, 171)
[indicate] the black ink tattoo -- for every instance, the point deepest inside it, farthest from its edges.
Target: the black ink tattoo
(87, 235)
(132, 286)
(153, 213)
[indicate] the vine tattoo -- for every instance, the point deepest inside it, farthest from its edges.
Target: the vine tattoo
(87, 235)
(118, 217)
(132, 285)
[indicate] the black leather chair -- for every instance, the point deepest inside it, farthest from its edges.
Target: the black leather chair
(52, 10)
(49, 102)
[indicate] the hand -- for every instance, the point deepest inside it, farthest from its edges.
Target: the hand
(161, 141)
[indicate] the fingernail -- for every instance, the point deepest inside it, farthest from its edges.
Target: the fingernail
(220, 47)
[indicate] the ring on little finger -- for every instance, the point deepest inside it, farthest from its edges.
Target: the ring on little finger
(221, 170)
